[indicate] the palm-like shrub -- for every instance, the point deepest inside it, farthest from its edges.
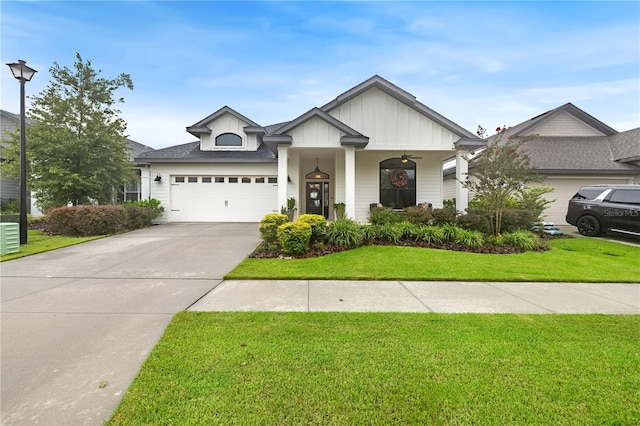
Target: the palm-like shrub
(472, 239)
(431, 234)
(526, 240)
(345, 232)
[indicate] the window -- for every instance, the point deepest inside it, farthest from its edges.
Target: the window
(206, 179)
(219, 179)
(260, 180)
(397, 183)
(228, 139)
(233, 180)
(273, 180)
(179, 179)
(192, 179)
(246, 180)
(626, 196)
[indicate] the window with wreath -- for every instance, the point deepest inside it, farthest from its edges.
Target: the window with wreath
(228, 139)
(397, 183)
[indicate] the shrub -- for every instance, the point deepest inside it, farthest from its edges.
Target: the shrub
(84, 221)
(417, 215)
(431, 234)
(390, 233)
(517, 219)
(318, 225)
(469, 238)
(345, 232)
(476, 219)
(138, 217)
(294, 237)
(154, 205)
(408, 230)
(531, 199)
(444, 216)
(526, 240)
(450, 232)
(383, 216)
(9, 205)
(269, 226)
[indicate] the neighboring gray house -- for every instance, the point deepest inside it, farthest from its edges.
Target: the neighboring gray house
(572, 149)
(9, 122)
(373, 143)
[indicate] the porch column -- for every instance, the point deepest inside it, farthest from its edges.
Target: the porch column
(283, 174)
(145, 183)
(462, 170)
(350, 181)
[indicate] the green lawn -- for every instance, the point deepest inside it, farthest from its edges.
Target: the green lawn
(569, 260)
(347, 369)
(39, 243)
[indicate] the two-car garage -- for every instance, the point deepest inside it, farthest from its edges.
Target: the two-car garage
(209, 198)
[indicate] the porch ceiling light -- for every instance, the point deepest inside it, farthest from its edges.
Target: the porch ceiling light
(317, 173)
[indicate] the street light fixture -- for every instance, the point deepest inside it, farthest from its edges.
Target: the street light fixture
(23, 73)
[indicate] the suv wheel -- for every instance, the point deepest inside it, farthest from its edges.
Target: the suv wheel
(588, 226)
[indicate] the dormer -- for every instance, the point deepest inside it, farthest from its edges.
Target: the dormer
(226, 130)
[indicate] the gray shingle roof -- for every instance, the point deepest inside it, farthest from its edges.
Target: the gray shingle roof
(625, 146)
(137, 148)
(574, 154)
(191, 153)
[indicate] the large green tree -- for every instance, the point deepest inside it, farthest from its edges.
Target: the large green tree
(77, 151)
(499, 175)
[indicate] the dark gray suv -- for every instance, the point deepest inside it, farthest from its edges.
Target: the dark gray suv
(606, 208)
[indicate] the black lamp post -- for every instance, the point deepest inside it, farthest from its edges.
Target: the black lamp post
(23, 73)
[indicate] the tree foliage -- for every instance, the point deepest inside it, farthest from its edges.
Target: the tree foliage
(499, 173)
(77, 151)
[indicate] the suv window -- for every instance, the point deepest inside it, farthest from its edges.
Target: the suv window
(627, 196)
(588, 193)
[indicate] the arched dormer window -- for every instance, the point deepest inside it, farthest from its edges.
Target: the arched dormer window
(228, 139)
(397, 183)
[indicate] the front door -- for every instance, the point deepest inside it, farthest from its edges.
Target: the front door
(318, 198)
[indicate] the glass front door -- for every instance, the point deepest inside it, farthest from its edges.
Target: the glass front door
(318, 198)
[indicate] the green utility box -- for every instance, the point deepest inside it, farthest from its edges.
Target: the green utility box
(9, 238)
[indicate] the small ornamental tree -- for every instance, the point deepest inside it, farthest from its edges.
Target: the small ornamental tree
(500, 172)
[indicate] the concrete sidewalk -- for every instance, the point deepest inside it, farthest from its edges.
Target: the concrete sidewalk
(421, 296)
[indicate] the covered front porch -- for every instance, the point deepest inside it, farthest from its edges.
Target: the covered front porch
(318, 178)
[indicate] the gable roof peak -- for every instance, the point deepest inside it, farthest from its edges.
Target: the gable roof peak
(201, 126)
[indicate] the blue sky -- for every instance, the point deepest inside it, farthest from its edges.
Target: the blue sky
(488, 63)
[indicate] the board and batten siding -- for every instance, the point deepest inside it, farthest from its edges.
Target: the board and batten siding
(162, 190)
(391, 124)
(316, 133)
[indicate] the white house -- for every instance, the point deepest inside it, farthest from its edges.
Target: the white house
(374, 143)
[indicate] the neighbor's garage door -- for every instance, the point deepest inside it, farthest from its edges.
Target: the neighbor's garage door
(565, 188)
(222, 198)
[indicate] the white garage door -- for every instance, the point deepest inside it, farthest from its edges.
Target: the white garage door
(565, 188)
(222, 198)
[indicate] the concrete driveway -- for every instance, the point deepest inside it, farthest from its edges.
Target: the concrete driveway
(77, 323)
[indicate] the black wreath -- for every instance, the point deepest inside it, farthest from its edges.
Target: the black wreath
(398, 177)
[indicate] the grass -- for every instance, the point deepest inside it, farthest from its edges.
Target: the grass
(346, 368)
(568, 260)
(37, 242)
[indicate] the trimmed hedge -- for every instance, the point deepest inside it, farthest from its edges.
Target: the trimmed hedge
(85, 221)
(269, 226)
(294, 237)
(318, 225)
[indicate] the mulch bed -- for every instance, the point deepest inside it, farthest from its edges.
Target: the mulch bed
(262, 252)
